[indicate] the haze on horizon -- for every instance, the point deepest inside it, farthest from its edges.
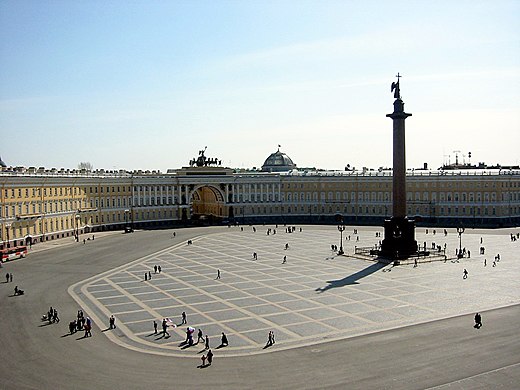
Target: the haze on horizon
(140, 85)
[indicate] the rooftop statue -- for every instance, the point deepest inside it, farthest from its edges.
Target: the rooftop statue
(395, 86)
(203, 161)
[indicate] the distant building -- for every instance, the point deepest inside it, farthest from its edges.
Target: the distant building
(39, 204)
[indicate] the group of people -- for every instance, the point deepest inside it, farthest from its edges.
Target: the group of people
(52, 316)
(81, 323)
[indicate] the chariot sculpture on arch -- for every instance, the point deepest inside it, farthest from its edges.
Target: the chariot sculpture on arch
(203, 161)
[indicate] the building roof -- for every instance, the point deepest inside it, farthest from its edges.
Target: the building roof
(278, 162)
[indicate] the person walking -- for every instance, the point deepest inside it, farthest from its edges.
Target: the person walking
(203, 358)
(11, 277)
(154, 327)
(159, 268)
(184, 319)
(112, 322)
(164, 326)
(207, 343)
(7, 277)
(210, 357)
(465, 274)
(284, 260)
(218, 274)
(200, 336)
(224, 340)
(478, 321)
(145, 276)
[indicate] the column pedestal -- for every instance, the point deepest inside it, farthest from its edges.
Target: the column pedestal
(399, 241)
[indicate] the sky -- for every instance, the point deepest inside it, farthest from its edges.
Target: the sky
(147, 84)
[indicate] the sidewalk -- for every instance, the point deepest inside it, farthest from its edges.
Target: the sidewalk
(62, 242)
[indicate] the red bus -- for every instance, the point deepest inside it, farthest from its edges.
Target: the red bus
(16, 252)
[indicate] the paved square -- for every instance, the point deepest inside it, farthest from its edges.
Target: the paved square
(314, 296)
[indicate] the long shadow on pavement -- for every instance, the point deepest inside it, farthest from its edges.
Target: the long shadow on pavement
(352, 279)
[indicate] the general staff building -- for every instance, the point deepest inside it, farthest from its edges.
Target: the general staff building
(40, 204)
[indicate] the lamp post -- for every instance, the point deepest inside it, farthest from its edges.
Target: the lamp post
(460, 230)
(78, 219)
(126, 219)
(7, 227)
(341, 229)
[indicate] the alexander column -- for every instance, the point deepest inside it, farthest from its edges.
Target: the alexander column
(399, 241)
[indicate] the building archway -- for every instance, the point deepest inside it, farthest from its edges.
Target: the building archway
(208, 204)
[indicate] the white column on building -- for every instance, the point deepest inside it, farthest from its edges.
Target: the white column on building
(256, 192)
(161, 195)
(227, 193)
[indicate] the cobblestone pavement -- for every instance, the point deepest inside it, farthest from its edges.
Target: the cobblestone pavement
(315, 296)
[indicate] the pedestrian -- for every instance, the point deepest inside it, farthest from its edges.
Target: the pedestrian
(55, 317)
(154, 327)
(145, 276)
(159, 268)
(7, 277)
(269, 339)
(72, 326)
(465, 274)
(11, 277)
(485, 262)
(284, 260)
(149, 275)
(478, 321)
(224, 340)
(112, 322)
(218, 274)
(154, 269)
(88, 327)
(415, 263)
(206, 346)
(210, 357)
(164, 326)
(184, 320)
(494, 263)
(203, 358)
(199, 336)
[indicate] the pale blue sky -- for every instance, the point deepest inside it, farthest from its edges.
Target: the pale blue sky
(146, 84)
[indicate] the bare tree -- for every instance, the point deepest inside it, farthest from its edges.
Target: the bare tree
(85, 165)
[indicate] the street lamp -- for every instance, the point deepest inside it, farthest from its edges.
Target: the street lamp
(7, 227)
(341, 229)
(78, 218)
(460, 230)
(126, 219)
